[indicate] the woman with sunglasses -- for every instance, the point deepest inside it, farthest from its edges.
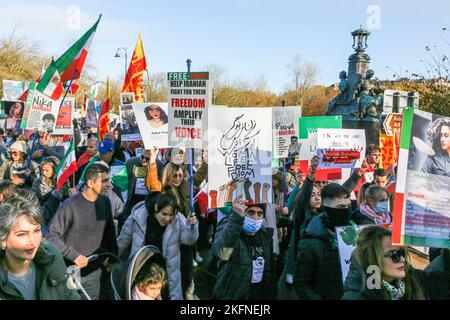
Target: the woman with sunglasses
(385, 271)
(46, 183)
(20, 170)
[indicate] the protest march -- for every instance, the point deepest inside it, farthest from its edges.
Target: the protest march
(126, 195)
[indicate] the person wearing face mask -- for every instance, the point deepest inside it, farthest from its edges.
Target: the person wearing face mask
(375, 209)
(317, 270)
(245, 251)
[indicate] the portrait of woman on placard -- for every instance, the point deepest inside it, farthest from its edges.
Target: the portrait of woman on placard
(439, 135)
(155, 115)
(15, 111)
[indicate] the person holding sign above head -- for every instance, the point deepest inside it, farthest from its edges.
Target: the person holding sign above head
(175, 180)
(245, 248)
(382, 271)
(155, 116)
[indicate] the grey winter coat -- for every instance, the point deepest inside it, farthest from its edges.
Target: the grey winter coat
(177, 232)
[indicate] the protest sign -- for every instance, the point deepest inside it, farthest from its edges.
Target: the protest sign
(13, 90)
(64, 122)
(91, 114)
(341, 148)
(42, 114)
(239, 155)
(128, 122)
(389, 146)
(130, 128)
(127, 98)
(308, 138)
(14, 112)
(347, 237)
(422, 197)
(189, 98)
(152, 120)
(285, 132)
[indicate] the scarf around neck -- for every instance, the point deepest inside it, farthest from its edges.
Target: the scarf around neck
(396, 290)
(378, 218)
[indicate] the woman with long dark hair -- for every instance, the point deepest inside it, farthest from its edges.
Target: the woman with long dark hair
(157, 221)
(439, 135)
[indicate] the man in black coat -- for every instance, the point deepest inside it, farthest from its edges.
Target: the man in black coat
(317, 270)
(245, 250)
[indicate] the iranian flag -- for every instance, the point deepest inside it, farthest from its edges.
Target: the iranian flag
(398, 221)
(67, 67)
(68, 165)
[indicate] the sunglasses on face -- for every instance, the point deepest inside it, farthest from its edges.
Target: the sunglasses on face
(145, 158)
(396, 255)
(15, 153)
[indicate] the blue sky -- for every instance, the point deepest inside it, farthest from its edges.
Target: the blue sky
(249, 38)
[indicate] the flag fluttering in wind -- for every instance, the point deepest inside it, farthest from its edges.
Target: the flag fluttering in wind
(134, 80)
(67, 67)
(104, 118)
(68, 166)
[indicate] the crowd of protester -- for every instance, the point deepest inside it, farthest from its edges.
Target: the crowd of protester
(254, 247)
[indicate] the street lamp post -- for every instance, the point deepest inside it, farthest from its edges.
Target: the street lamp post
(118, 55)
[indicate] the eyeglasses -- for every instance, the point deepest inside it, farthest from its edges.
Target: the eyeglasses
(396, 255)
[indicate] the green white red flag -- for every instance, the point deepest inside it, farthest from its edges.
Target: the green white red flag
(68, 165)
(67, 67)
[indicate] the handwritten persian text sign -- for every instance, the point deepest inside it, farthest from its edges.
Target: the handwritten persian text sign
(341, 148)
(189, 98)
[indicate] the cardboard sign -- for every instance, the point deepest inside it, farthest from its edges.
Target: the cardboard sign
(341, 148)
(189, 98)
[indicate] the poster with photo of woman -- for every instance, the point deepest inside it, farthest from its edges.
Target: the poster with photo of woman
(152, 120)
(422, 195)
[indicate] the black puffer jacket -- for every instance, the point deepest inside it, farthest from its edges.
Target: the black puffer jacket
(317, 269)
(235, 275)
(431, 282)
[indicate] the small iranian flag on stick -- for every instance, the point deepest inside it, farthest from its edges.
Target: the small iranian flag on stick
(68, 165)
